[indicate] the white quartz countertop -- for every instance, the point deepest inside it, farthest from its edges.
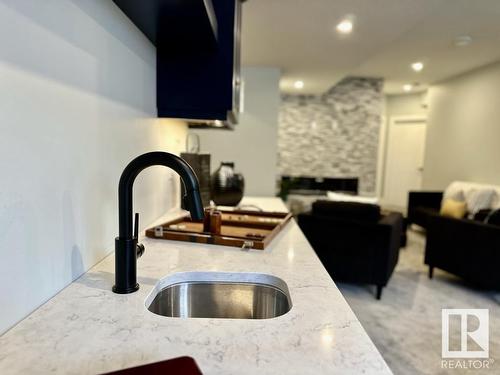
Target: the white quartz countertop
(87, 329)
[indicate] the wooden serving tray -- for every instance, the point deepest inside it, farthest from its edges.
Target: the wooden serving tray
(238, 228)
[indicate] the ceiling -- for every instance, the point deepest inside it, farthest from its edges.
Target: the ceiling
(299, 36)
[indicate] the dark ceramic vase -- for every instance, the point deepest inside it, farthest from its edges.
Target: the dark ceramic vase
(227, 186)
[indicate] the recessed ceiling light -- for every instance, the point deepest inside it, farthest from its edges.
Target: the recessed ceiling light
(345, 26)
(298, 84)
(462, 41)
(408, 87)
(417, 66)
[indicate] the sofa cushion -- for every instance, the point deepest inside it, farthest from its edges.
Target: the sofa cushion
(453, 208)
(347, 210)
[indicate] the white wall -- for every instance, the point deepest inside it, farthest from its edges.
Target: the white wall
(463, 133)
(253, 144)
(77, 102)
(405, 105)
(401, 105)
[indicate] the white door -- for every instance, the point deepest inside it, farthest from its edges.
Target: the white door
(404, 162)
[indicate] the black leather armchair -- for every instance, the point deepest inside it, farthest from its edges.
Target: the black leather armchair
(466, 248)
(354, 241)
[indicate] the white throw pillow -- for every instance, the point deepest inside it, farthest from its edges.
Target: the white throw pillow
(454, 190)
(479, 199)
(458, 196)
(340, 197)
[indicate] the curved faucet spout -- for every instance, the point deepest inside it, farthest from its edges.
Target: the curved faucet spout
(126, 243)
(136, 166)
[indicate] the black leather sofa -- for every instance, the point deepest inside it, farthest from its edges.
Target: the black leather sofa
(466, 248)
(354, 241)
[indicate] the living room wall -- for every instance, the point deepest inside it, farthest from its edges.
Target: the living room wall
(333, 135)
(464, 129)
(252, 145)
(405, 105)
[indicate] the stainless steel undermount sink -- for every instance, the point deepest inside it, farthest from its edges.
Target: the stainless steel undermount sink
(220, 295)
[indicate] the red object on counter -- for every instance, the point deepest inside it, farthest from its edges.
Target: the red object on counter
(175, 366)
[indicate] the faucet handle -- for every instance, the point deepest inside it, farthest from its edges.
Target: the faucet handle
(139, 248)
(136, 226)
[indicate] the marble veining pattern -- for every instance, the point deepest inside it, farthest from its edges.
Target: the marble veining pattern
(86, 329)
(332, 135)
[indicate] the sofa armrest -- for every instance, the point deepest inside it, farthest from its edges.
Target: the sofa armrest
(430, 200)
(483, 235)
(467, 248)
(392, 218)
(391, 227)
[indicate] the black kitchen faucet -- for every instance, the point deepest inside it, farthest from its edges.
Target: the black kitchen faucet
(127, 250)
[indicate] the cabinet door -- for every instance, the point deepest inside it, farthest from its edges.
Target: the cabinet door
(204, 86)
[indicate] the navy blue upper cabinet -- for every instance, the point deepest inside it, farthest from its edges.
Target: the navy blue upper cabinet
(178, 24)
(204, 85)
(198, 56)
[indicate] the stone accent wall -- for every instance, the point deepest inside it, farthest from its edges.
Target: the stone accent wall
(334, 134)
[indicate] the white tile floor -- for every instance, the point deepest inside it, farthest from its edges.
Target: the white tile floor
(405, 324)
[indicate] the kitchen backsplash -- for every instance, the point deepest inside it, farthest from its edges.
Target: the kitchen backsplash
(72, 117)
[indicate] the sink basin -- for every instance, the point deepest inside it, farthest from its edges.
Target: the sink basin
(220, 295)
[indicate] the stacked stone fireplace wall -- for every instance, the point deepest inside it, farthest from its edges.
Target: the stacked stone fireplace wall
(333, 135)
